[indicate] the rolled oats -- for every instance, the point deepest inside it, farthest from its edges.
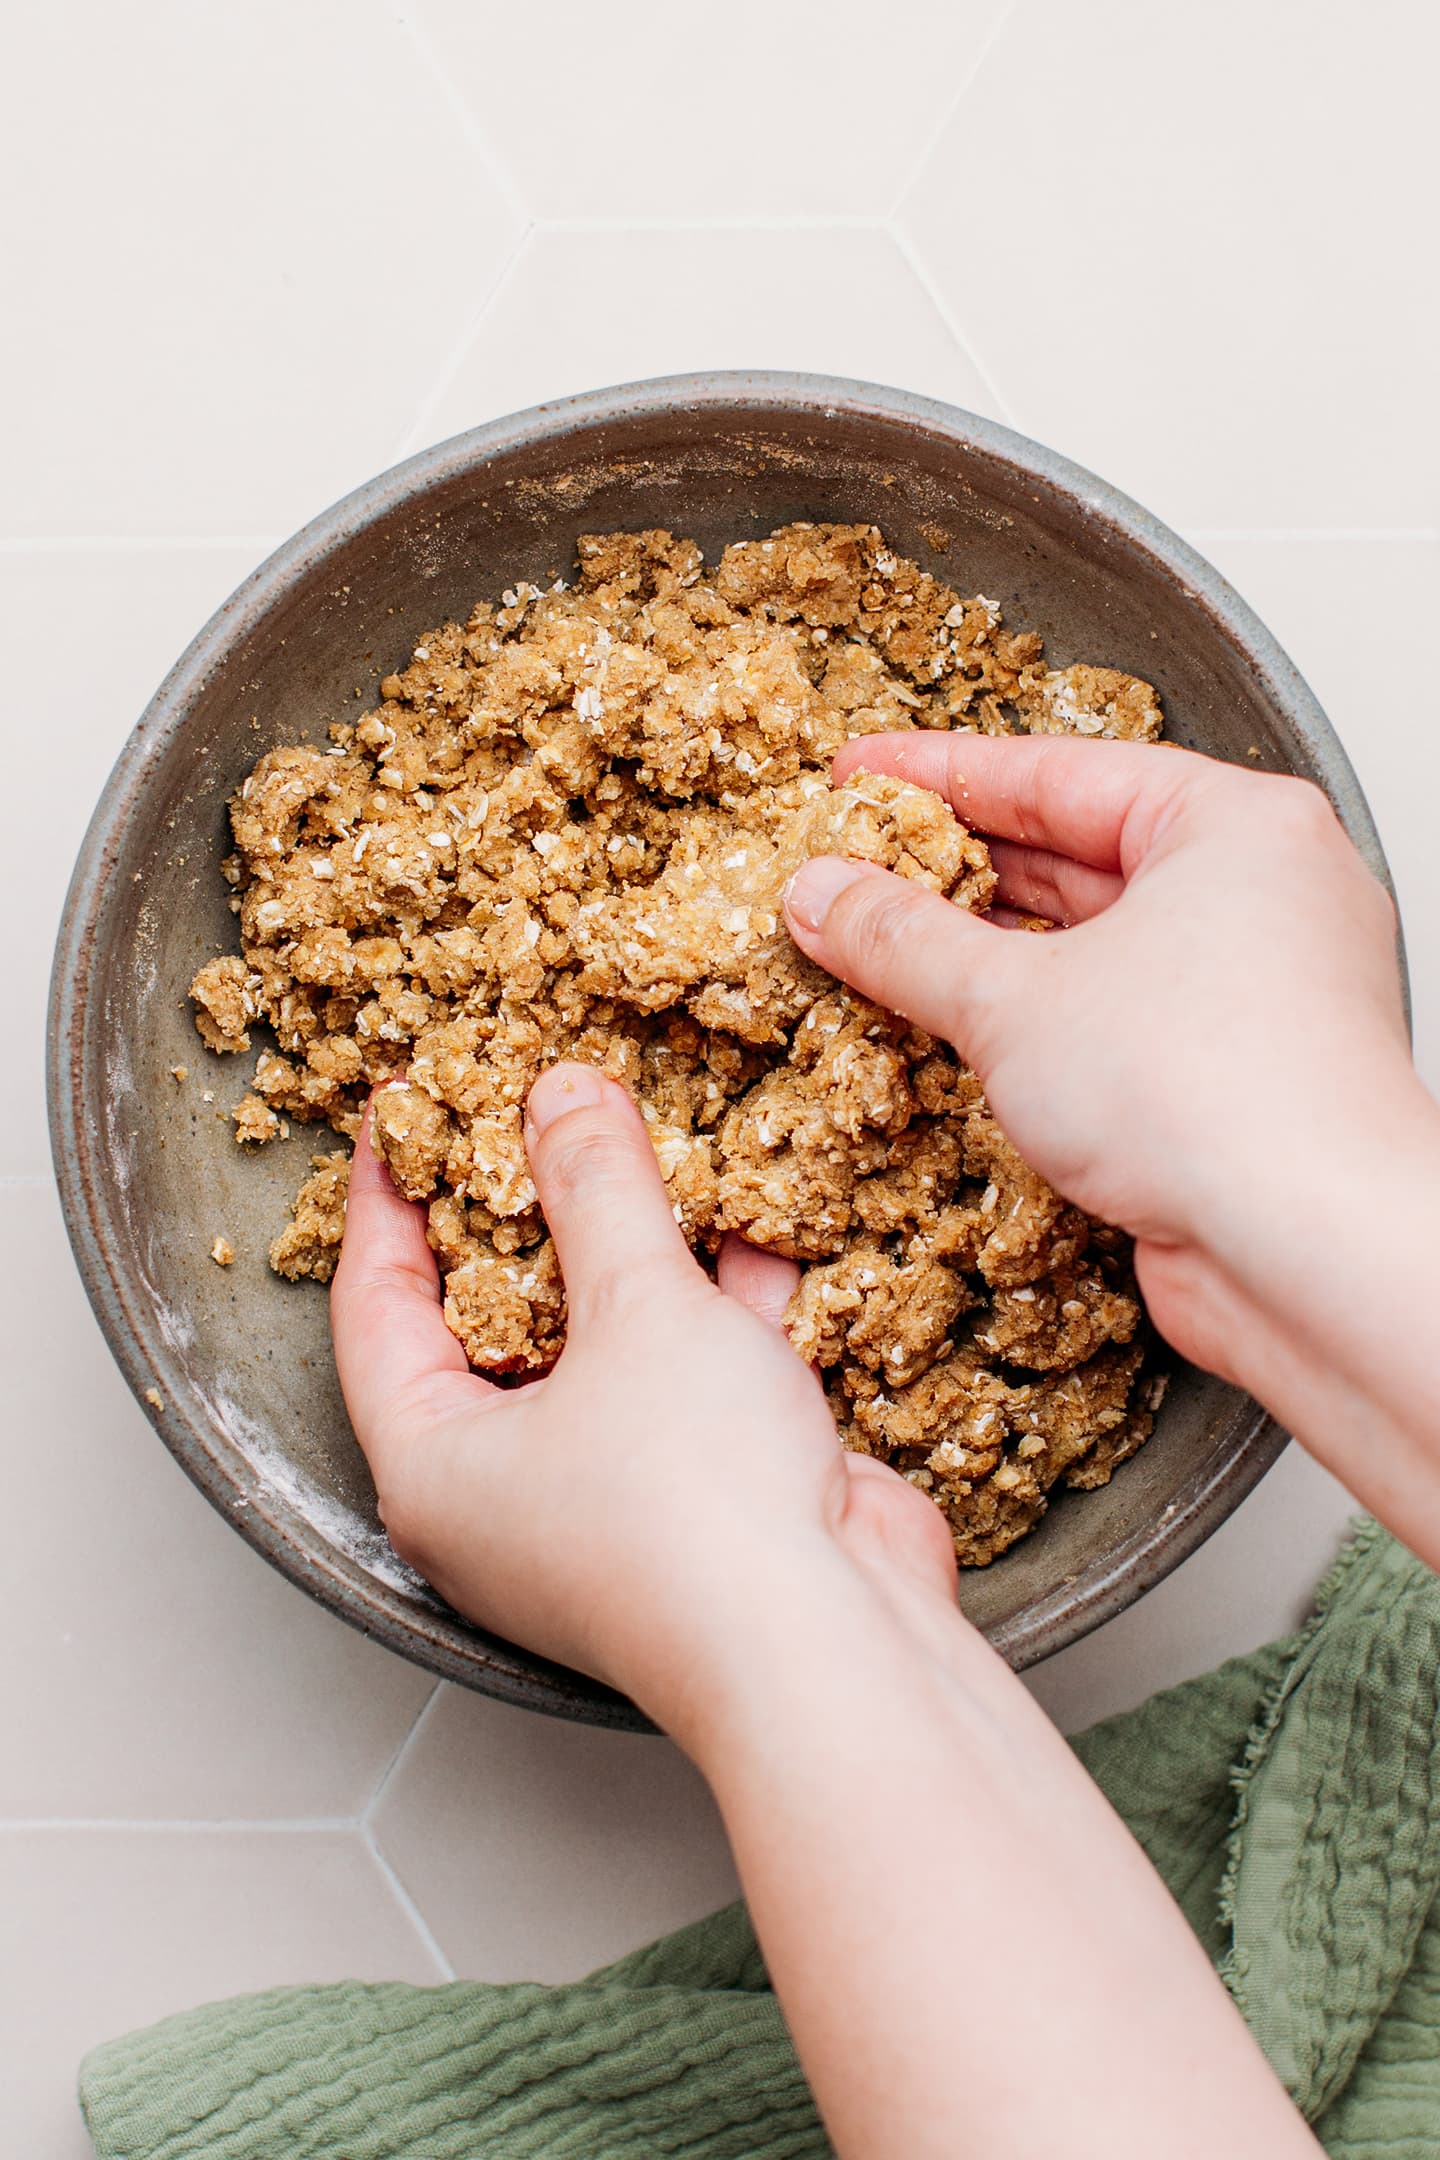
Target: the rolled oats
(565, 831)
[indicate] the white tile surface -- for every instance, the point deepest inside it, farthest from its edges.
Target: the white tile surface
(1191, 245)
(254, 253)
(155, 1666)
(539, 1850)
(106, 1930)
(252, 235)
(579, 308)
(88, 634)
(683, 115)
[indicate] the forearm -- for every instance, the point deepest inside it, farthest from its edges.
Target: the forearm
(1332, 1267)
(970, 1949)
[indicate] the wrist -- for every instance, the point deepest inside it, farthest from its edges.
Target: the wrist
(832, 1639)
(1294, 1195)
(1324, 1263)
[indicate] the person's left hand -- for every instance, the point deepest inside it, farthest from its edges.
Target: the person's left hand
(647, 1509)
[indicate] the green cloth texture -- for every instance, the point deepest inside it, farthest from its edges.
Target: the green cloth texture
(1289, 1800)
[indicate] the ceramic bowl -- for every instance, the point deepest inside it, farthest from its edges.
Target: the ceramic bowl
(234, 1366)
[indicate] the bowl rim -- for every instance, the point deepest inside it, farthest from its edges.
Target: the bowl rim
(437, 1640)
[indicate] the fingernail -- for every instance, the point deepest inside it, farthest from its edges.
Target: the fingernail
(816, 885)
(562, 1089)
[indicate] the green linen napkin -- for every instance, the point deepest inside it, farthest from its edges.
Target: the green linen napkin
(1289, 1799)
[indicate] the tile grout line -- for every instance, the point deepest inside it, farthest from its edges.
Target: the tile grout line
(800, 221)
(916, 266)
(982, 53)
(417, 433)
(409, 1907)
(366, 1827)
(382, 1783)
(416, 28)
(173, 1826)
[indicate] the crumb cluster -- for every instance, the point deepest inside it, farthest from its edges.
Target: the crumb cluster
(564, 832)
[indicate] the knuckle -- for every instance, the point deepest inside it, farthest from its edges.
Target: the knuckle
(875, 920)
(1378, 903)
(1046, 895)
(979, 1011)
(1045, 786)
(1209, 795)
(610, 1298)
(1301, 810)
(583, 1160)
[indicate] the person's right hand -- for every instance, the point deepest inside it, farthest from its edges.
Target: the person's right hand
(1211, 1051)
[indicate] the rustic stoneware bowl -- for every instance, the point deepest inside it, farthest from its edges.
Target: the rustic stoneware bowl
(234, 1366)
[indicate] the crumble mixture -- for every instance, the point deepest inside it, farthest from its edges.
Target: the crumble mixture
(564, 832)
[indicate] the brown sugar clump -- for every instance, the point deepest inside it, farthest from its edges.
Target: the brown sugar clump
(310, 1245)
(223, 1007)
(565, 831)
(508, 1312)
(255, 1121)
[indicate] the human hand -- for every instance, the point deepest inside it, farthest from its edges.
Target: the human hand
(1186, 1055)
(670, 1510)
(648, 1510)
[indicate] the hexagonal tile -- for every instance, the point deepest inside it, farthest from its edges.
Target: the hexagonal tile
(580, 309)
(272, 228)
(1182, 244)
(109, 1930)
(155, 1666)
(679, 113)
(537, 1850)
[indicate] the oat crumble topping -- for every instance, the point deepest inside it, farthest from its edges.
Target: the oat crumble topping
(564, 832)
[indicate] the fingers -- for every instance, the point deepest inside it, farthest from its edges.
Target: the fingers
(1101, 803)
(602, 1193)
(765, 1281)
(391, 1342)
(906, 947)
(1041, 883)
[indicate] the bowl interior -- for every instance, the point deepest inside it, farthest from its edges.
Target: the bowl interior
(237, 1363)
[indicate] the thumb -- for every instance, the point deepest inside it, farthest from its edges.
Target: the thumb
(602, 1193)
(908, 948)
(396, 1358)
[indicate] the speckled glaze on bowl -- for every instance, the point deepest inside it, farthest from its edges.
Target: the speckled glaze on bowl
(234, 1366)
